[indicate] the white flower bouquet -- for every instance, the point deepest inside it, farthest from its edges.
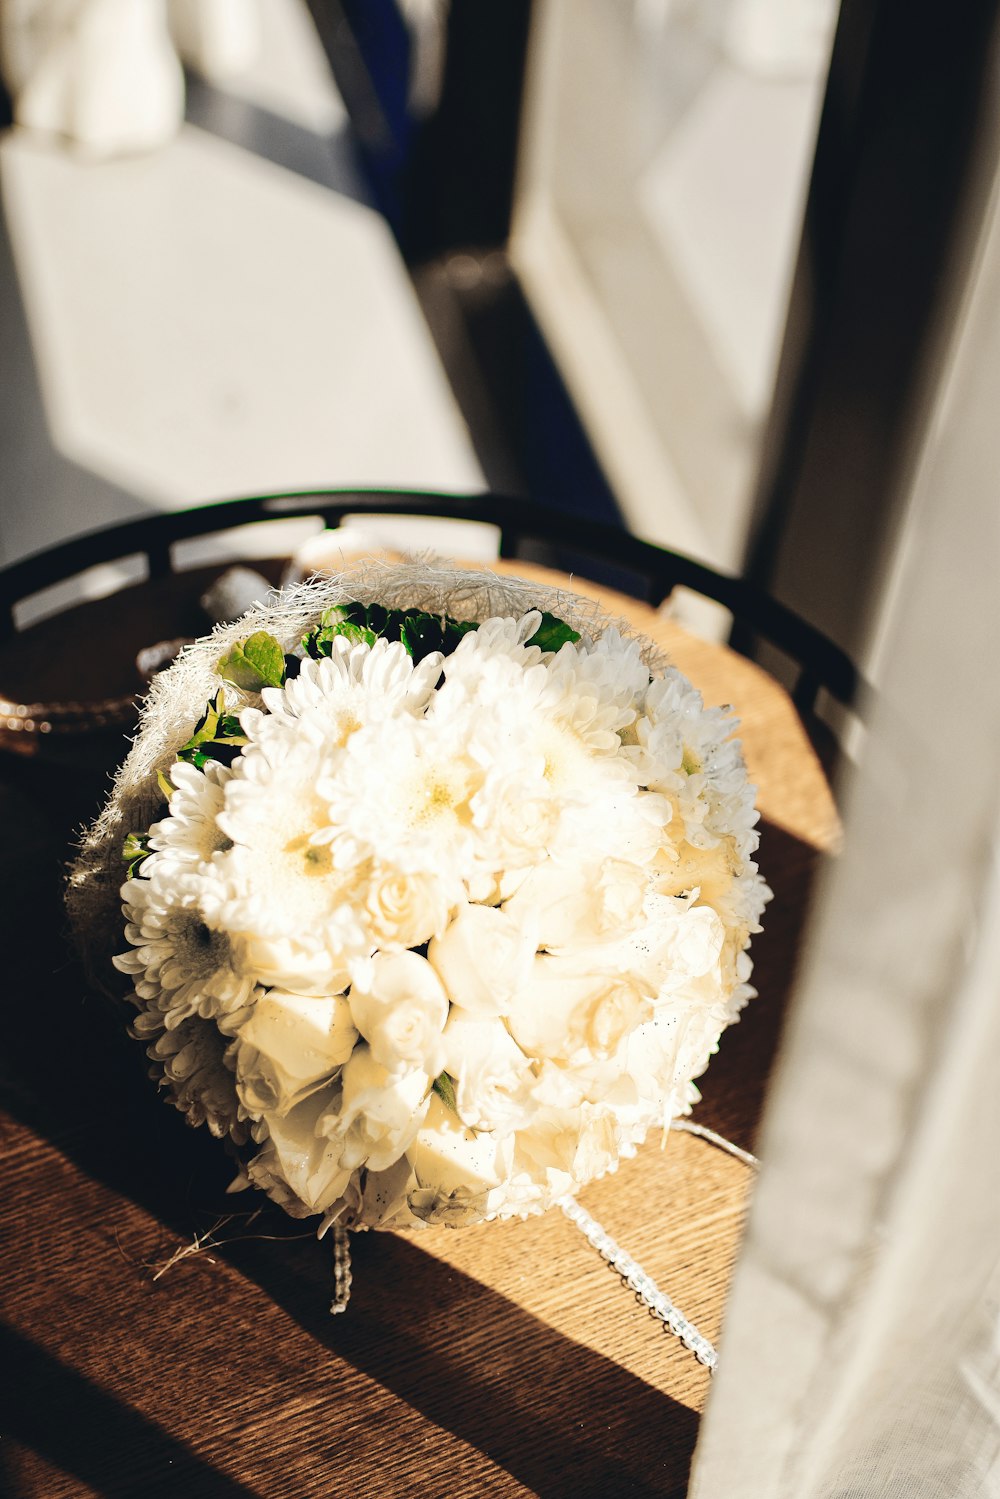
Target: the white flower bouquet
(442, 902)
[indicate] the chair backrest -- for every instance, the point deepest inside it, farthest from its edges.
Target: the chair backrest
(596, 550)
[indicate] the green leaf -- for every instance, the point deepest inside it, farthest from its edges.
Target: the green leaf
(218, 736)
(423, 633)
(444, 1087)
(230, 730)
(165, 784)
(134, 850)
(420, 632)
(355, 634)
(552, 633)
(254, 663)
(266, 657)
(349, 620)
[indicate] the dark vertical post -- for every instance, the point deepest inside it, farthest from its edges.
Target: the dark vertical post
(894, 199)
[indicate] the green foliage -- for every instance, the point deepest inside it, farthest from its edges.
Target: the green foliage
(254, 663)
(423, 634)
(420, 633)
(218, 735)
(444, 1087)
(552, 633)
(134, 850)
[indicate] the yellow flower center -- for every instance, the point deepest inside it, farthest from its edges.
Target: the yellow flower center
(439, 792)
(311, 859)
(690, 764)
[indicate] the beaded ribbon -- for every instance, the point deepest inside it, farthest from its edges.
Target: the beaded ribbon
(634, 1277)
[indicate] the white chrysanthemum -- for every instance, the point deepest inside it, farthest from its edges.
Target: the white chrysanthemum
(622, 658)
(329, 699)
(179, 964)
(401, 793)
(688, 752)
(486, 657)
(294, 913)
(190, 833)
(189, 1061)
(611, 674)
(553, 777)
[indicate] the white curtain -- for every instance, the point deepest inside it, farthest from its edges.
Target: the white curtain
(861, 1349)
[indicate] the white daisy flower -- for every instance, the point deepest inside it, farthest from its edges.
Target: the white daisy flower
(189, 1061)
(179, 964)
(190, 834)
(401, 793)
(329, 699)
(277, 890)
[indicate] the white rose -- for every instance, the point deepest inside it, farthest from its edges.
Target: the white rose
(379, 1115)
(492, 1076)
(565, 1010)
(599, 1145)
(406, 910)
(589, 903)
(384, 1199)
(296, 1159)
(516, 816)
(287, 1047)
(401, 1012)
(544, 1154)
(677, 950)
(482, 959)
(566, 1148)
(452, 1159)
(655, 1050)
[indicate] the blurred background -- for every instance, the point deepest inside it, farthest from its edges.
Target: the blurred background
(687, 266)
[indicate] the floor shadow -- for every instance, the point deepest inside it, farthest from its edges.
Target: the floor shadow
(68, 1069)
(88, 1433)
(560, 1418)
